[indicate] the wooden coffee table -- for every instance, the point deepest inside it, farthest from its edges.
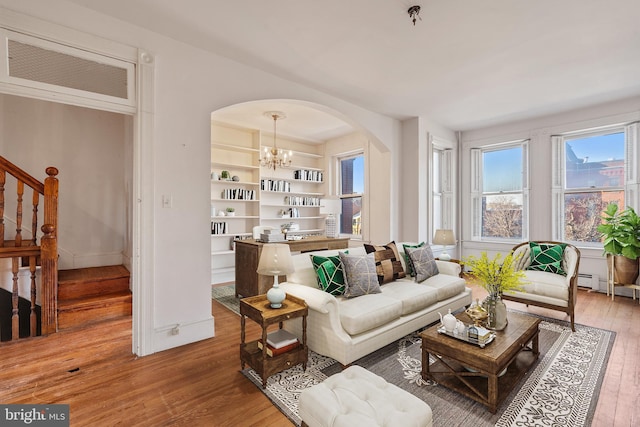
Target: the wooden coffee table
(478, 372)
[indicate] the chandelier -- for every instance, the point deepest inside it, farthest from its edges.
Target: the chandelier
(274, 157)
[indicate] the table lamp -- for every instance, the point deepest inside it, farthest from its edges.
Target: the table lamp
(444, 238)
(275, 260)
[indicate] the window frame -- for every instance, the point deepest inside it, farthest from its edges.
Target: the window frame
(477, 190)
(338, 167)
(629, 186)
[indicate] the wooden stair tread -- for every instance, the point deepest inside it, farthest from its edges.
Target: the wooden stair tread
(100, 300)
(93, 274)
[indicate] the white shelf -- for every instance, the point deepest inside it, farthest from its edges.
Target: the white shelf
(233, 217)
(227, 166)
(218, 181)
(231, 147)
(281, 205)
(302, 181)
(300, 217)
(233, 200)
(301, 167)
(231, 234)
(313, 230)
(303, 193)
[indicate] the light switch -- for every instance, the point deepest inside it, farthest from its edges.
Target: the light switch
(167, 201)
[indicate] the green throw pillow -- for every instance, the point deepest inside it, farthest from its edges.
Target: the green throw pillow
(330, 273)
(410, 270)
(547, 257)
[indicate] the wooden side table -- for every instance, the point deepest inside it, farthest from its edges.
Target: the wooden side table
(258, 309)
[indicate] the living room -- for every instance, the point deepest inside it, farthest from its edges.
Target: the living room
(171, 277)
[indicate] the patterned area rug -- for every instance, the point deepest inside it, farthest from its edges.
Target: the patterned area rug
(561, 389)
(226, 295)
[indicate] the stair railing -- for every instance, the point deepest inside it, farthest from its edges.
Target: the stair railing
(19, 248)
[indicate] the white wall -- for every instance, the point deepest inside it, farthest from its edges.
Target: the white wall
(539, 132)
(376, 209)
(190, 84)
(87, 147)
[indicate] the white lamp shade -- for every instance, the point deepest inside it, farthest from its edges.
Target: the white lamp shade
(275, 260)
(444, 237)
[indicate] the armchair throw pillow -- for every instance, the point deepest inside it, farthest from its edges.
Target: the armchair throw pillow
(547, 257)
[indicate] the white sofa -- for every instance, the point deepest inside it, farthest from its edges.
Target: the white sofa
(347, 329)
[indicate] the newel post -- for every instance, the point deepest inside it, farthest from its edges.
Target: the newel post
(49, 255)
(49, 259)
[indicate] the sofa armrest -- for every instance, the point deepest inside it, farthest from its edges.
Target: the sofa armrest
(315, 298)
(449, 268)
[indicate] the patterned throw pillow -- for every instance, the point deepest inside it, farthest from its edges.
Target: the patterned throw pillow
(388, 264)
(329, 273)
(423, 262)
(547, 257)
(410, 271)
(360, 275)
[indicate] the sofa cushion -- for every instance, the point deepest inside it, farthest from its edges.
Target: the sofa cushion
(360, 275)
(546, 284)
(447, 286)
(368, 312)
(547, 257)
(388, 264)
(423, 262)
(413, 296)
(330, 273)
(410, 270)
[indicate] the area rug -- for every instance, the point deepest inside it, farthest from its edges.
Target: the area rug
(562, 388)
(226, 295)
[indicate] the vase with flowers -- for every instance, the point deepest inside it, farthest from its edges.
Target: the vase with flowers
(496, 275)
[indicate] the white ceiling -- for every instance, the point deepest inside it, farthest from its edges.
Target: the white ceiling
(467, 64)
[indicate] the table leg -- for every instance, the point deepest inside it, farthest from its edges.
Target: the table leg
(242, 337)
(493, 393)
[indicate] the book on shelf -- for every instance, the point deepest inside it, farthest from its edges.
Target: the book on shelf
(271, 351)
(281, 338)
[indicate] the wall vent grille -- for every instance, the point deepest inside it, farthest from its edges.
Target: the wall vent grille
(48, 66)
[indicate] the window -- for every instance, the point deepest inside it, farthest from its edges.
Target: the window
(351, 181)
(499, 192)
(591, 173)
(442, 167)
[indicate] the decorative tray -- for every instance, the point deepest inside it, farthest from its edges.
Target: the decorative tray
(463, 337)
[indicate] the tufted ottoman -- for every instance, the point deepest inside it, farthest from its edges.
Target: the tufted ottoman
(356, 397)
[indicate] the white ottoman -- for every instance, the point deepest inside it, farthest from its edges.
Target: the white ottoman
(356, 397)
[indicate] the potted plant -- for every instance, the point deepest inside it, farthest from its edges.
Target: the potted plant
(225, 175)
(620, 230)
(495, 276)
(231, 211)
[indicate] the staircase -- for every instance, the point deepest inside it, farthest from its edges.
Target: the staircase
(89, 295)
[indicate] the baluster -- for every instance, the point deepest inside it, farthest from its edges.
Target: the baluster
(15, 319)
(20, 192)
(33, 319)
(3, 178)
(34, 219)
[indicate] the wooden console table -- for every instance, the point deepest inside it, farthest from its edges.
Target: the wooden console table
(250, 283)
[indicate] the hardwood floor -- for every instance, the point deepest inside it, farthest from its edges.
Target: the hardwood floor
(199, 384)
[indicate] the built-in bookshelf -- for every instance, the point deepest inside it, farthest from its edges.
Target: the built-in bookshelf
(258, 195)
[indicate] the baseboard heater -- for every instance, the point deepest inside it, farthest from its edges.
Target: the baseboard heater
(591, 281)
